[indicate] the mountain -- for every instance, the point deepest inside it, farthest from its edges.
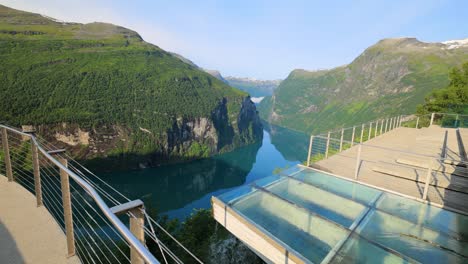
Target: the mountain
(104, 93)
(256, 88)
(213, 73)
(216, 74)
(389, 78)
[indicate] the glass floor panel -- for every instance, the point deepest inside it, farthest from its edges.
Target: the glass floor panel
(350, 190)
(326, 204)
(305, 233)
(409, 239)
(360, 250)
(325, 218)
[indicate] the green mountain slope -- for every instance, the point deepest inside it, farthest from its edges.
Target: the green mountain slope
(101, 91)
(391, 77)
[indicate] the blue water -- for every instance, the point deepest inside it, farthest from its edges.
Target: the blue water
(176, 190)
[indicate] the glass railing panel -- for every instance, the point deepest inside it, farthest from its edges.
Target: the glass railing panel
(237, 193)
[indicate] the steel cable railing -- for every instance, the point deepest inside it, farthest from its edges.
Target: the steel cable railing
(86, 219)
(87, 175)
(430, 169)
(97, 187)
(92, 230)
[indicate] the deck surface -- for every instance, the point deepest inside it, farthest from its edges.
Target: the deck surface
(396, 171)
(28, 234)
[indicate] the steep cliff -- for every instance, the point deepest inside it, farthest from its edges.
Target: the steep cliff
(103, 93)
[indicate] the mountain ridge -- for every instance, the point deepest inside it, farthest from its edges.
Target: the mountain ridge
(254, 87)
(390, 77)
(103, 93)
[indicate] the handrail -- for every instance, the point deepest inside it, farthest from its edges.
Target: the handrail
(372, 121)
(123, 230)
(324, 144)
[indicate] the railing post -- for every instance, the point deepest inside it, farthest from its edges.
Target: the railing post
(328, 144)
(137, 222)
(35, 162)
(6, 152)
(341, 139)
(417, 122)
(67, 209)
(432, 119)
(456, 121)
(37, 173)
(400, 120)
(428, 179)
(358, 162)
(362, 133)
(386, 125)
(352, 136)
(376, 126)
(381, 127)
(370, 131)
(310, 150)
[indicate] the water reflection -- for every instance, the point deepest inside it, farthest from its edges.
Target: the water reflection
(177, 189)
(292, 144)
(173, 186)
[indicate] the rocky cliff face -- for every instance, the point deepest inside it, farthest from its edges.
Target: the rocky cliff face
(188, 138)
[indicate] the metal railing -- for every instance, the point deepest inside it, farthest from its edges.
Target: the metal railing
(337, 140)
(87, 209)
(428, 171)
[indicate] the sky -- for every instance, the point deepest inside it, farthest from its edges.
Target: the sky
(266, 39)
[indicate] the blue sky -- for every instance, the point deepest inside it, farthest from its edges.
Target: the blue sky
(267, 39)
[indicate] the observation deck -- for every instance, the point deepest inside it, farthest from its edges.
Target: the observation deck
(393, 190)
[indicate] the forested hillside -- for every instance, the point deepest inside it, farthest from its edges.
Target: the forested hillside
(102, 91)
(389, 78)
(451, 99)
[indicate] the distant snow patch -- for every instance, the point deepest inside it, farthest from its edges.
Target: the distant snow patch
(453, 44)
(257, 99)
